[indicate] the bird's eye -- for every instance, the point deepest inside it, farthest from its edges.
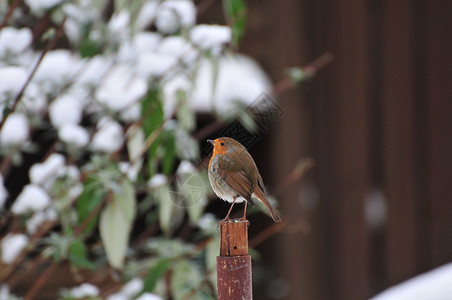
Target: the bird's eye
(222, 143)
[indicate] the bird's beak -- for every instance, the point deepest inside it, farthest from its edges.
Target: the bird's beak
(211, 141)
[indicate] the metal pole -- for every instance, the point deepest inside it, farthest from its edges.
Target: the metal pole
(234, 264)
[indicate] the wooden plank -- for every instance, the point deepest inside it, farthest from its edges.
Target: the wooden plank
(398, 142)
(440, 129)
(346, 158)
(291, 141)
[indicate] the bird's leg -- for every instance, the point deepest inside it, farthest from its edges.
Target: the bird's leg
(230, 209)
(244, 211)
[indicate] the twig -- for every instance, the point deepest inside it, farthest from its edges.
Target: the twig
(30, 267)
(8, 15)
(79, 229)
(267, 233)
(148, 142)
(40, 282)
(5, 166)
(41, 27)
(9, 269)
(300, 169)
(203, 6)
(310, 70)
(50, 45)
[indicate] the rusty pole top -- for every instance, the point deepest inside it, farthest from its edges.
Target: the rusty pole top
(234, 275)
(234, 237)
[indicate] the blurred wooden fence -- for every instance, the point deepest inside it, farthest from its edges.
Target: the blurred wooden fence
(378, 118)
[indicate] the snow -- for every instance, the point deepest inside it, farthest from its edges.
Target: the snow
(207, 221)
(12, 246)
(57, 65)
(119, 25)
(130, 170)
(3, 193)
(146, 15)
(83, 11)
(32, 198)
(171, 87)
(14, 41)
(185, 167)
(44, 174)
(121, 89)
(64, 110)
(72, 172)
(75, 191)
(128, 291)
(15, 131)
(4, 290)
(132, 288)
(211, 37)
(117, 296)
(375, 209)
(85, 290)
(146, 41)
(94, 70)
(79, 15)
(149, 296)
(72, 30)
(239, 79)
(40, 5)
(155, 64)
(33, 100)
(166, 58)
(109, 137)
(179, 48)
(74, 135)
(167, 21)
(157, 180)
(142, 43)
(39, 218)
(174, 14)
(131, 113)
(56, 68)
(433, 285)
(12, 80)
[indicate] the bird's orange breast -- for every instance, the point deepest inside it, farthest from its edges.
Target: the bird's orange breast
(217, 150)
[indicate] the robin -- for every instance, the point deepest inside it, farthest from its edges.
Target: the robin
(234, 176)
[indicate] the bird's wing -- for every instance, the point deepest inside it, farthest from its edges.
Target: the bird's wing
(239, 182)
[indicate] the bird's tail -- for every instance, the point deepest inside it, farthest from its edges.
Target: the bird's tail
(261, 195)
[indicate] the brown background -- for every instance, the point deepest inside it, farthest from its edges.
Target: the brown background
(377, 119)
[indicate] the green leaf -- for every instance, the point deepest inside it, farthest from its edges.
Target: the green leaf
(152, 115)
(192, 188)
(135, 143)
(166, 207)
(155, 274)
(92, 194)
(77, 256)
(152, 111)
(169, 155)
(236, 15)
(89, 48)
(116, 222)
(185, 114)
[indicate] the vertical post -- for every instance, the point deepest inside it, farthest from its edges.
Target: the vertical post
(234, 264)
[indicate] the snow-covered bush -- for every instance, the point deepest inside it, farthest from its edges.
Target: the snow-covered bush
(98, 103)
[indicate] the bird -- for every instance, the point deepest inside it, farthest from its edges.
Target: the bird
(234, 176)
